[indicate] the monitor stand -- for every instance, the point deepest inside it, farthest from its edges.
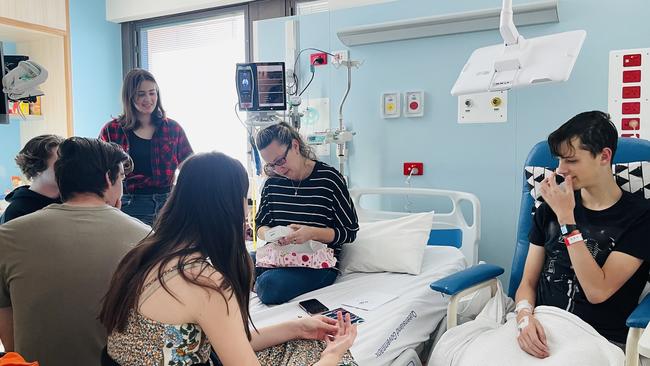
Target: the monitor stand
(262, 119)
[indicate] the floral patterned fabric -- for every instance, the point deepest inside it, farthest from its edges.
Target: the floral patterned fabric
(312, 254)
(298, 353)
(148, 342)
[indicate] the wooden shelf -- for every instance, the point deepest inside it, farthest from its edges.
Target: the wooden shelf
(29, 117)
(18, 31)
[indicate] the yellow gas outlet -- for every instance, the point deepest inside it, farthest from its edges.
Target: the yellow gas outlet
(490, 107)
(390, 105)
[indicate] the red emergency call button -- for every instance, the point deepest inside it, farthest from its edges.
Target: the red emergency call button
(631, 92)
(632, 60)
(630, 124)
(414, 105)
(631, 108)
(632, 76)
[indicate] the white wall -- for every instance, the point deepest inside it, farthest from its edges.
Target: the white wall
(119, 11)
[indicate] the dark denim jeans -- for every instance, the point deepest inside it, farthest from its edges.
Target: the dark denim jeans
(144, 207)
(279, 285)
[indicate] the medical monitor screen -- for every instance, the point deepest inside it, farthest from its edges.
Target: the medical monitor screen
(245, 88)
(270, 80)
(261, 86)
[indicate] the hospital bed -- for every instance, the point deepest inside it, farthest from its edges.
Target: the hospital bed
(393, 332)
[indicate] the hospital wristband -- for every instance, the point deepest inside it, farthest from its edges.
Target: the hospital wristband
(573, 238)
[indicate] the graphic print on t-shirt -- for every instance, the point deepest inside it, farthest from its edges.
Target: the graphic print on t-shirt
(623, 227)
(558, 271)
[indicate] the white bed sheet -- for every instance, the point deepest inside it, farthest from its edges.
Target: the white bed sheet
(402, 323)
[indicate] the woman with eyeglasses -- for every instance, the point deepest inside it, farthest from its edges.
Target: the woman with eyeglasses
(312, 199)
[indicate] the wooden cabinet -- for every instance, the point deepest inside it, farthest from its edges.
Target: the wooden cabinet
(40, 29)
(48, 13)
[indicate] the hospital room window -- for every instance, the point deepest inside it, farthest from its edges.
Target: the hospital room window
(193, 59)
(311, 6)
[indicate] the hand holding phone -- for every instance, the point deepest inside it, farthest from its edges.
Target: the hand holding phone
(341, 342)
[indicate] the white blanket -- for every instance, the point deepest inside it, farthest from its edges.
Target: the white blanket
(402, 323)
(571, 341)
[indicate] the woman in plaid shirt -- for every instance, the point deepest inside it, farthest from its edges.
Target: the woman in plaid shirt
(156, 144)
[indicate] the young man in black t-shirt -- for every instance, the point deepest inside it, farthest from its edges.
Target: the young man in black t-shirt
(36, 162)
(589, 252)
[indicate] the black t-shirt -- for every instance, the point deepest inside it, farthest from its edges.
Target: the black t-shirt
(24, 201)
(140, 152)
(624, 227)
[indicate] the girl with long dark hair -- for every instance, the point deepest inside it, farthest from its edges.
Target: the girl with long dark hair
(186, 287)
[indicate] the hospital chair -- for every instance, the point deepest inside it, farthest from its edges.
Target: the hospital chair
(631, 163)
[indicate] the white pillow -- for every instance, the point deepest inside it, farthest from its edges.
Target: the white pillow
(395, 245)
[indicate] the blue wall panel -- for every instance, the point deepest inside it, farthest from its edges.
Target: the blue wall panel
(96, 46)
(485, 159)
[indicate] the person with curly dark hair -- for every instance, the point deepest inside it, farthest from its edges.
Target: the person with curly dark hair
(36, 161)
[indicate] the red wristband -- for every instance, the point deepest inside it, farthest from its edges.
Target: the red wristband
(573, 238)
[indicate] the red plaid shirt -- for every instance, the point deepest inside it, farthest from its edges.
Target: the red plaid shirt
(169, 147)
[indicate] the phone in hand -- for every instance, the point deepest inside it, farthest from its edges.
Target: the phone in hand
(313, 306)
(354, 318)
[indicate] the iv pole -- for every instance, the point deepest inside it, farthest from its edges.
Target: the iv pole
(341, 136)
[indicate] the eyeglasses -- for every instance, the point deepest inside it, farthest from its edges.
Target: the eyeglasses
(281, 161)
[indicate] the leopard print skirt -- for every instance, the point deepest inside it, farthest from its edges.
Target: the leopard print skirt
(298, 353)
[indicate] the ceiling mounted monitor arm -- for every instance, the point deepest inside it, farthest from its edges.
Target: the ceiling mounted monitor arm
(507, 26)
(507, 66)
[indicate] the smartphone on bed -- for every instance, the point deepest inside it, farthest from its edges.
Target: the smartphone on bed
(354, 318)
(313, 306)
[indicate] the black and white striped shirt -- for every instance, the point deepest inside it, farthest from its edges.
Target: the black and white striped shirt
(320, 200)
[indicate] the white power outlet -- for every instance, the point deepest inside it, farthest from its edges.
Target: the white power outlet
(342, 55)
(487, 107)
